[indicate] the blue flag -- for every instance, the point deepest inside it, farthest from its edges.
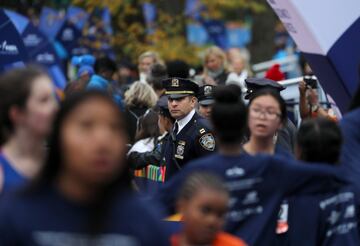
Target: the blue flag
(69, 37)
(12, 50)
(77, 16)
(39, 49)
(51, 21)
(217, 32)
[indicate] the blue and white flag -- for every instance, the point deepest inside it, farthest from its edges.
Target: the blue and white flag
(51, 21)
(217, 32)
(69, 37)
(39, 49)
(77, 16)
(12, 49)
(328, 34)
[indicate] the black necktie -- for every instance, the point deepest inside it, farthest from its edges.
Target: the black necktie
(176, 128)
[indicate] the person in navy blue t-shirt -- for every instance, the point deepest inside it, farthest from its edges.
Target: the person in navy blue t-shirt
(350, 153)
(266, 116)
(322, 219)
(257, 184)
(82, 195)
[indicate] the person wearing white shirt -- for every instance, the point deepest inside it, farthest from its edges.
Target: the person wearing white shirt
(239, 74)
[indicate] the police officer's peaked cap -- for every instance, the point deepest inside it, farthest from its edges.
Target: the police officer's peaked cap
(255, 84)
(179, 87)
(205, 95)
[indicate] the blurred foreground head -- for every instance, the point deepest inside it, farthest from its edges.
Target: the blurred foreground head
(27, 103)
(88, 143)
(203, 203)
(319, 140)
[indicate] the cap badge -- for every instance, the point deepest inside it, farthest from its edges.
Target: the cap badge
(207, 90)
(175, 83)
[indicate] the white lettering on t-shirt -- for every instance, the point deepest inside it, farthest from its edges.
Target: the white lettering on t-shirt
(242, 184)
(48, 238)
(242, 214)
(340, 198)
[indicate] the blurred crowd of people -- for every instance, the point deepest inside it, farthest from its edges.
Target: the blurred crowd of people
(174, 157)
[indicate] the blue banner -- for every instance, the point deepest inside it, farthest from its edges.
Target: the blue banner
(69, 36)
(235, 37)
(39, 49)
(149, 11)
(196, 34)
(51, 21)
(77, 16)
(217, 32)
(12, 49)
(238, 37)
(106, 18)
(193, 9)
(98, 33)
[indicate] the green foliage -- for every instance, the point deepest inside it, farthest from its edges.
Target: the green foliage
(169, 37)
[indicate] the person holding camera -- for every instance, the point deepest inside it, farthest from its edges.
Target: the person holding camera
(309, 104)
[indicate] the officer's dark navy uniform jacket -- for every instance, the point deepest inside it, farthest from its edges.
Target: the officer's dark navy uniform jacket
(350, 154)
(323, 219)
(193, 141)
(48, 218)
(257, 186)
(140, 160)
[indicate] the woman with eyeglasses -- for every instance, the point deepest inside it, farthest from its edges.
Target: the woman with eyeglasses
(266, 115)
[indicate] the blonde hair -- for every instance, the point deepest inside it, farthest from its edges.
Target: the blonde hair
(154, 55)
(140, 94)
(216, 51)
(235, 54)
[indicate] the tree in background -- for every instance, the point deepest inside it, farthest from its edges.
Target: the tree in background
(168, 32)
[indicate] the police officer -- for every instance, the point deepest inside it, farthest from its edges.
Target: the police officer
(286, 135)
(206, 100)
(191, 136)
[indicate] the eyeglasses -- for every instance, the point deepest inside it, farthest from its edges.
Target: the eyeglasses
(258, 112)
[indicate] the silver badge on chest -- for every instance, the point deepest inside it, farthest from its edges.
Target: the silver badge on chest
(180, 150)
